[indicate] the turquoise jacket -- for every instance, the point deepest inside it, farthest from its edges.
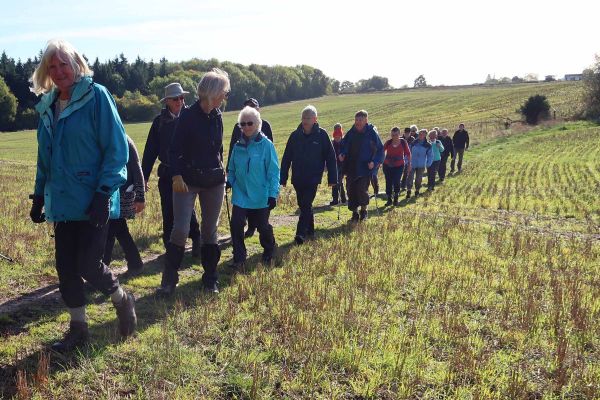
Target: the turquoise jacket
(87, 152)
(437, 148)
(253, 172)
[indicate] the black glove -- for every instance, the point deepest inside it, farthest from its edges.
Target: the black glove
(272, 203)
(99, 210)
(36, 214)
(227, 185)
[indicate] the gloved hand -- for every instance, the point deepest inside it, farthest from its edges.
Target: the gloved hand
(36, 214)
(272, 203)
(227, 185)
(99, 210)
(179, 185)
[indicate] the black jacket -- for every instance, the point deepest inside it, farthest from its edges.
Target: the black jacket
(448, 147)
(158, 143)
(461, 140)
(197, 141)
(307, 155)
(236, 134)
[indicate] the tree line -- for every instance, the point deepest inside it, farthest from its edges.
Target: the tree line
(137, 86)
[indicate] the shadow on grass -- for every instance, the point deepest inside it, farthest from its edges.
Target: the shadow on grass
(150, 309)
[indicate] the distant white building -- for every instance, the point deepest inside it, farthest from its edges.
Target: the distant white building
(573, 77)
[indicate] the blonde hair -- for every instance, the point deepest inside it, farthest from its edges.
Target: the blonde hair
(213, 84)
(41, 81)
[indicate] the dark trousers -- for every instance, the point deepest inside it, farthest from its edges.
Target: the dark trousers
(165, 188)
(375, 183)
(118, 229)
(459, 153)
(305, 196)
(337, 192)
(358, 191)
(443, 166)
(258, 218)
(79, 248)
(393, 175)
(404, 178)
(431, 172)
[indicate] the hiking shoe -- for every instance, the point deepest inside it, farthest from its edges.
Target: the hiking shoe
(416, 193)
(408, 194)
(249, 233)
(134, 269)
(266, 259)
(396, 199)
(211, 288)
(389, 201)
(299, 239)
(333, 203)
(363, 215)
(344, 200)
(355, 216)
(236, 265)
(76, 336)
(166, 290)
(126, 314)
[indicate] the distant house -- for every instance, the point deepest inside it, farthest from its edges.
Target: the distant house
(573, 77)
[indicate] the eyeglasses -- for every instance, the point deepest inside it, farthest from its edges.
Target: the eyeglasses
(180, 98)
(249, 123)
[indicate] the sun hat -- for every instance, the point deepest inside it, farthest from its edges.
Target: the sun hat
(173, 90)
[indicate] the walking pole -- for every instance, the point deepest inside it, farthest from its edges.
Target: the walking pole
(227, 204)
(7, 258)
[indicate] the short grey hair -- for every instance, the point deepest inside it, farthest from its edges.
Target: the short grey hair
(423, 131)
(444, 130)
(250, 114)
(309, 109)
(413, 128)
(41, 81)
(433, 132)
(213, 84)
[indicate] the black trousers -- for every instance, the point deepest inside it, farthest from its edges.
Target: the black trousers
(305, 195)
(443, 166)
(393, 175)
(118, 229)
(431, 171)
(358, 191)
(337, 192)
(258, 218)
(79, 248)
(165, 188)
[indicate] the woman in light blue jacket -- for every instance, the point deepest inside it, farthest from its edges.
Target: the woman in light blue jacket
(253, 174)
(82, 153)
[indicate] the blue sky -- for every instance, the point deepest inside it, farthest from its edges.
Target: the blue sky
(450, 42)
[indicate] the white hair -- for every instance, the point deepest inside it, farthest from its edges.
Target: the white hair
(213, 84)
(250, 114)
(41, 81)
(309, 109)
(413, 128)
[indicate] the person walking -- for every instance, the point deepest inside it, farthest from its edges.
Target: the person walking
(409, 139)
(421, 158)
(132, 203)
(460, 141)
(448, 152)
(81, 158)
(157, 146)
(397, 155)
(236, 135)
(196, 165)
(253, 175)
(362, 152)
(307, 151)
(436, 152)
(338, 193)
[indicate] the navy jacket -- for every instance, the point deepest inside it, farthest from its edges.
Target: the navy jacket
(158, 143)
(371, 150)
(461, 140)
(197, 141)
(448, 147)
(308, 154)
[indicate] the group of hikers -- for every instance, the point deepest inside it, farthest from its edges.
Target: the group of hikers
(90, 180)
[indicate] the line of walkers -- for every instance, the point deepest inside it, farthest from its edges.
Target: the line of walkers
(89, 178)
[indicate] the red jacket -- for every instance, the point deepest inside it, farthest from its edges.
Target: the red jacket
(396, 156)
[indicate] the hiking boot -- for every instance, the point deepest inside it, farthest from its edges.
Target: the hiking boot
(333, 203)
(196, 245)
(236, 265)
(396, 199)
(408, 194)
(249, 233)
(267, 259)
(126, 313)
(211, 288)
(299, 239)
(166, 290)
(416, 193)
(389, 201)
(355, 216)
(211, 253)
(76, 336)
(363, 215)
(134, 269)
(343, 200)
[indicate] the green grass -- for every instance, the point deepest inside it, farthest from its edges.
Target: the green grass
(486, 288)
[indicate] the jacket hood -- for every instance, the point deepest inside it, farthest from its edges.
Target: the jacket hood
(80, 89)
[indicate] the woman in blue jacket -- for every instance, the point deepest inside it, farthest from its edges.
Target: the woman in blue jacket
(82, 153)
(253, 174)
(421, 158)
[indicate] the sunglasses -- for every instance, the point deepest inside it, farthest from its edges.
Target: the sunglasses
(180, 98)
(249, 123)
